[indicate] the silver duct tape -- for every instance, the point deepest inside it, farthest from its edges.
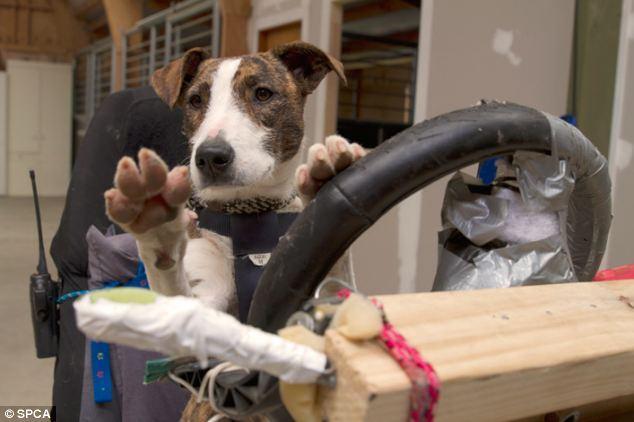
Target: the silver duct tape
(480, 218)
(561, 221)
(545, 182)
(471, 268)
(589, 212)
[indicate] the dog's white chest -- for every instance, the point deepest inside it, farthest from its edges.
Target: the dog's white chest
(208, 265)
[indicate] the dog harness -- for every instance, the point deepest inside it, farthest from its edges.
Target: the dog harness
(254, 236)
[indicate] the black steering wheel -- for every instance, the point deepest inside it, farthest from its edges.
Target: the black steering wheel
(355, 199)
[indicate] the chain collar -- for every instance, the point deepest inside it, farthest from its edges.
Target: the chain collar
(254, 205)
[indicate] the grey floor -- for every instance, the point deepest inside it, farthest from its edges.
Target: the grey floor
(24, 379)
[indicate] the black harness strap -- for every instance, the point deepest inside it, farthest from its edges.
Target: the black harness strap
(254, 236)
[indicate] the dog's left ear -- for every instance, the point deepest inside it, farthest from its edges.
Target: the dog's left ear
(170, 81)
(308, 64)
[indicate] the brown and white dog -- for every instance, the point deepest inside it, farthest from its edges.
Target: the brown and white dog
(243, 117)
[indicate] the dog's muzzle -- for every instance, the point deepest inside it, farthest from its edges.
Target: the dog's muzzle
(214, 157)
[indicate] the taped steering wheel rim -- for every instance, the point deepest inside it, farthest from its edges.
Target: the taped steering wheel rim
(355, 199)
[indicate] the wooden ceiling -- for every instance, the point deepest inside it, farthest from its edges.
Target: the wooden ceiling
(92, 13)
(56, 29)
(40, 28)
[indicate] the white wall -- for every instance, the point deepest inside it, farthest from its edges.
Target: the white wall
(3, 133)
(39, 126)
(622, 147)
(501, 49)
(513, 50)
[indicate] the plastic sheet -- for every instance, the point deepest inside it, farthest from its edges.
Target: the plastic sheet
(182, 326)
(511, 233)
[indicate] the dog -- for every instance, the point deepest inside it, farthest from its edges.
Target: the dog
(243, 117)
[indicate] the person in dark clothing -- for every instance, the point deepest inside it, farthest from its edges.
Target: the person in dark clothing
(125, 122)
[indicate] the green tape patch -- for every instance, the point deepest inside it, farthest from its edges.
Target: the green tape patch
(125, 295)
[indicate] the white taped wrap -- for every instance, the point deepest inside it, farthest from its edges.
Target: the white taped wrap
(183, 326)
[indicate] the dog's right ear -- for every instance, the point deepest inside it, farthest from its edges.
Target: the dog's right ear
(307, 63)
(170, 81)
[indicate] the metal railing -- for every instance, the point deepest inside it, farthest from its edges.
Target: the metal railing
(157, 39)
(149, 45)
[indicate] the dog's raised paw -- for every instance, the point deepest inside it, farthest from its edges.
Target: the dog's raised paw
(147, 195)
(324, 162)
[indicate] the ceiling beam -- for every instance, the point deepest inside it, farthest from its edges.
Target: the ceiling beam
(121, 15)
(368, 10)
(87, 7)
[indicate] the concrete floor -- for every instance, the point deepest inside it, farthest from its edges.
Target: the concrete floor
(24, 379)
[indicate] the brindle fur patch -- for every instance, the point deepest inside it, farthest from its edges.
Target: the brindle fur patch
(201, 86)
(282, 114)
(170, 81)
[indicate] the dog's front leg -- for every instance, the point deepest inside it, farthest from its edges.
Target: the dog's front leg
(162, 250)
(148, 202)
(325, 161)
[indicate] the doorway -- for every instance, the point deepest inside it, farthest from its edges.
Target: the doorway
(379, 53)
(269, 38)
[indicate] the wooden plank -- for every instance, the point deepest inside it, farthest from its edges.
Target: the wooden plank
(235, 20)
(500, 354)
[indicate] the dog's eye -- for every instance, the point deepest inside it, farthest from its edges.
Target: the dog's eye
(263, 94)
(195, 101)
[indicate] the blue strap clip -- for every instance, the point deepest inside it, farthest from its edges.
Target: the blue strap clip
(100, 352)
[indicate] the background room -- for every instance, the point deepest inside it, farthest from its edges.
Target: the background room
(405, 61)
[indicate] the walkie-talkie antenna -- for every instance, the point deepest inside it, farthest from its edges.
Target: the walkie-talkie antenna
(41, 265)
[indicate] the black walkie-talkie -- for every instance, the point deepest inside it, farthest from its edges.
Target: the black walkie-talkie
(43, 293)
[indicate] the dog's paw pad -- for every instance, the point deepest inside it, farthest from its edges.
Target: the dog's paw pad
(155, 212)
(339, 152)
(324, 162)
(177, 188)
(146, 196)
(128, 180)
(120, 208)
(306, 185)
(319, 165)
(153, 170)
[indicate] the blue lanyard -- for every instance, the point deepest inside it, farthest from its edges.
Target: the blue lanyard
(100, 352)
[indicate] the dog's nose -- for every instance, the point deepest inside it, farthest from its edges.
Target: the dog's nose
(214, 156)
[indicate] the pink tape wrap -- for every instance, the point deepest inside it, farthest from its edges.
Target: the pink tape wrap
(425, 383)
